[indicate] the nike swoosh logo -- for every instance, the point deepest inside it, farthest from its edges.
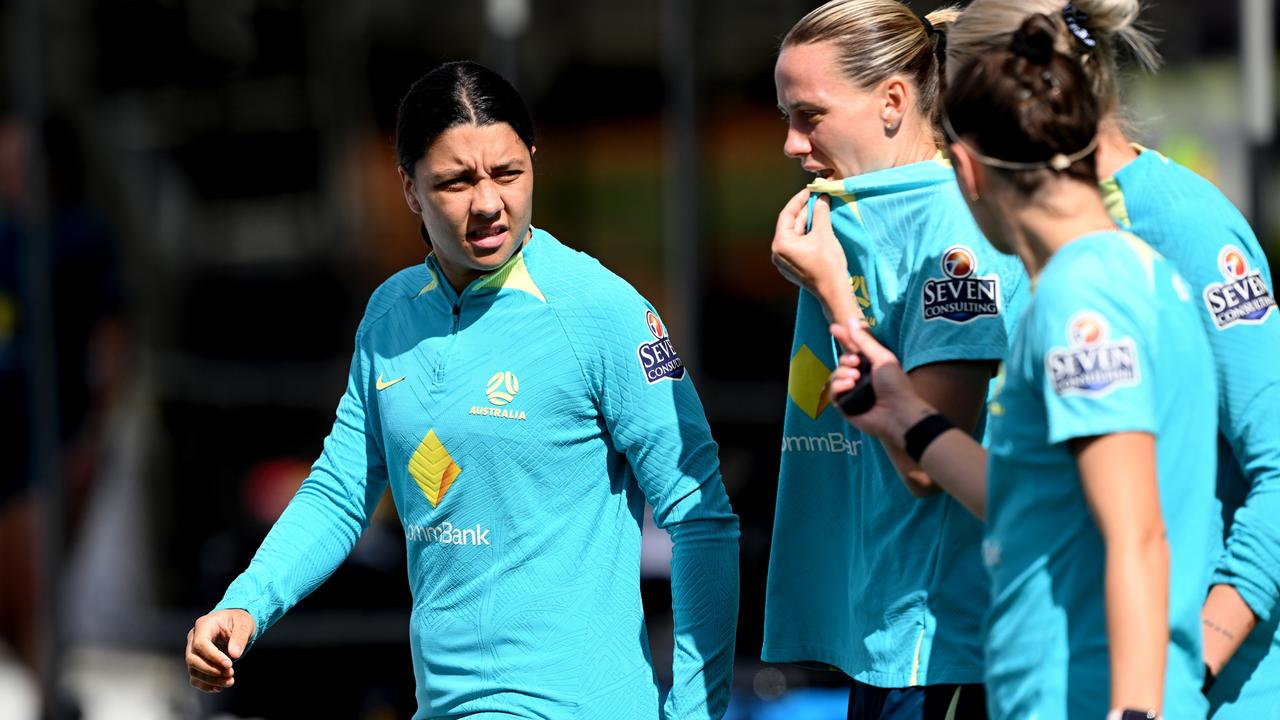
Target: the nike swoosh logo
(384, 385)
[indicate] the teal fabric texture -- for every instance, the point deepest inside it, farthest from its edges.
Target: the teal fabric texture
(1188, 220)
(521, 426)
(863, 576)
(1110, 343)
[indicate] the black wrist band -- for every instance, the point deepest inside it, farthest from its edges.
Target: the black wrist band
(924, 432)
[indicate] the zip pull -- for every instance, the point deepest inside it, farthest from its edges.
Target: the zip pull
(457, 316)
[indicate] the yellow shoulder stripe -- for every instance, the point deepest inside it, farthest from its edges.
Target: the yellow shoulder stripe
(432, 284)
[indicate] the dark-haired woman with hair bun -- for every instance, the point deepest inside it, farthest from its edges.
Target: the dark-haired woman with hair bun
(522, 403)
(1188, 220)
(1097, 489)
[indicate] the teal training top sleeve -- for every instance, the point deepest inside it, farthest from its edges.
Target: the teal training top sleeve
(327, 515)
(1251, 562)
(1233, 278)
(655, 419)
(1189, 221)
(1098, 351)
(962, 301)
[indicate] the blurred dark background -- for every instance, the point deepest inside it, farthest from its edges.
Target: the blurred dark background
(197, 197)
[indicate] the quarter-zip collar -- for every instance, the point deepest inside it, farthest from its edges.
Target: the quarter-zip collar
(889, 180)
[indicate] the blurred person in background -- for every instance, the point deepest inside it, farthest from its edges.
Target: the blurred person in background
(522, 402)
(873, 571)
(1189, 221)
(90, 346)
(1098, 487)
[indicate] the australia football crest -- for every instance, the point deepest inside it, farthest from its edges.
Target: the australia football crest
(501, 390)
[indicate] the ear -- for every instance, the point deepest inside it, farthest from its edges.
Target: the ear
(896, 97)
(406, 183)
(969, 172)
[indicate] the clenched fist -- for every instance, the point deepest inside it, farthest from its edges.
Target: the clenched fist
(214, 644)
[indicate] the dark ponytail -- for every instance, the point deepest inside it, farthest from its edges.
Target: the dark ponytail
(1027, 109)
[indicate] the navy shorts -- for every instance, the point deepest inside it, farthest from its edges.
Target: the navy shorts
(928, 702)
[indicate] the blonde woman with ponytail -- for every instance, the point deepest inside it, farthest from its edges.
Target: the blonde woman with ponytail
(1189, 221)
(874, 572)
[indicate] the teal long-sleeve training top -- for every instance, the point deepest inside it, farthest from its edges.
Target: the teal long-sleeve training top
(521, 425)
(1189, 221)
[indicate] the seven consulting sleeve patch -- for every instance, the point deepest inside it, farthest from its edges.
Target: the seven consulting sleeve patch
(658, 359)
(1242, 297)
(962, 295)
(1092, 364)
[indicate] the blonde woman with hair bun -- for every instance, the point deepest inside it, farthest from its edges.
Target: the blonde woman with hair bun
(873, 571)
(1188, 220)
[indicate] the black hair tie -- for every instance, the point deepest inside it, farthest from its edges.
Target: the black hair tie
(936, 38)
(1075, 18)
(929, 29)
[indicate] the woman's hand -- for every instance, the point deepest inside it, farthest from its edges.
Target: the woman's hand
(953, 461)
(814, 260)
(897, 407)
(214, 644)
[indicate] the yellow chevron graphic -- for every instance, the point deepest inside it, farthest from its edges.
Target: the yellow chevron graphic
(807, 382)
(433, 468)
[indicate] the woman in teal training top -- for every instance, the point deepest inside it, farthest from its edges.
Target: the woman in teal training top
(1188, 220)
(522, 403)
(866, 575)
(1098, 487)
